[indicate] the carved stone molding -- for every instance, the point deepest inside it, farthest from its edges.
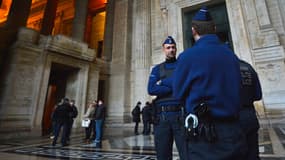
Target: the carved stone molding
(65, 45)
(268, 54)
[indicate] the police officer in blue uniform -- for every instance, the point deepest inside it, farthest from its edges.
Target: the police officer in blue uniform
(167, 110)
(207, 78)
(250, 92)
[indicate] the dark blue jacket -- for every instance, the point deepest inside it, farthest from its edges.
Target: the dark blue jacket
(208, 72)
(164, 88)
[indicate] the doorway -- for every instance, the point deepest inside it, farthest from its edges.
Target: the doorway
(101, 90)
(220, 17)
(59, 81)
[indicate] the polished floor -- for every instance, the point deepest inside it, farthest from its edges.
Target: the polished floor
(121, 144)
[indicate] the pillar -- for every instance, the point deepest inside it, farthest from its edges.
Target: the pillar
(18, 14)
(79, 21)
(49, 17)
(141, 49)
(108, 35)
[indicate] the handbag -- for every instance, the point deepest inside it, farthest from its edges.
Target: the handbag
(85, 123)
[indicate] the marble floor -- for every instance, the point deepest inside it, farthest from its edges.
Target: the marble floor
(121, 144)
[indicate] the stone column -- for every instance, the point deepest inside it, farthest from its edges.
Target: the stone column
(118, 105)
(79, 20)
(141, 49)
(49, 17)
(108, 35)
(18, 14)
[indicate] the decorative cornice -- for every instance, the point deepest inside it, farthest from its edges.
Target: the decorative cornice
(65, 45)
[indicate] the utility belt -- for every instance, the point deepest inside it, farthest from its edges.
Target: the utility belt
(167, 109)
(160, 109)
(201, 124)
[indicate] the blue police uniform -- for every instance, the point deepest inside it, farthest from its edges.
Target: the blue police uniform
(209, 73)
(250, 92)
(168, 126)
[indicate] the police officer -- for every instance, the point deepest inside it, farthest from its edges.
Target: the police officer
(207, 78)
(250, 92)
(167, 125)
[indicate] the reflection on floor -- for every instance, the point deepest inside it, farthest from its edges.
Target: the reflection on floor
(121, 144)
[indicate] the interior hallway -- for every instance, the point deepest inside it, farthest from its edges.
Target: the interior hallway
(121, 143)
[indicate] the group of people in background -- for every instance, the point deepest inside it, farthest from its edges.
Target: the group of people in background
(147, 117)
(95, 113)
(63, 118)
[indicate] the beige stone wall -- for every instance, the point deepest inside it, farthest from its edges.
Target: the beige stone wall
(24, 88)
(18, 84)
(257, 29)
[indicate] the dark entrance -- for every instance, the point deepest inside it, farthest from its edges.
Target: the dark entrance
(220, 16)
(101, 90)
(58, 81)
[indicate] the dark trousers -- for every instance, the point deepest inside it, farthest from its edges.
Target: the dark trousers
(136, 128)
(146, 127)
(168, 129)
(70, 124)
(230, 144)
(58, 126)
(250, 126)
(89, 130)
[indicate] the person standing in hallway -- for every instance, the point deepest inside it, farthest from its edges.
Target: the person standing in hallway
(99, 117)
(53, 120)
(73, 114)
(90, 113)
(168, 111)
(207, 78)
(250, 92)
(136, 114)
(146, 117)
(62, 118)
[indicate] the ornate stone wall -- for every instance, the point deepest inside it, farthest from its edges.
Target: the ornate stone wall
(25, 87)
(257, 29)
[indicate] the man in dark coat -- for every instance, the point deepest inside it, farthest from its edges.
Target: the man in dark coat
(73, 114)
(136, 112)
(146, 116)
(61, 117)
(100, 113)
